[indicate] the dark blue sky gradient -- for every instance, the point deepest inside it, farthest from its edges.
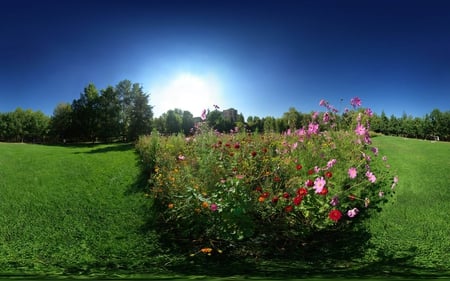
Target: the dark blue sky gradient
(268, 55)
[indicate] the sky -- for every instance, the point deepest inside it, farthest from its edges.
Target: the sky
(259, 57)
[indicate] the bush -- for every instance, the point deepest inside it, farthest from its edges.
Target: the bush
(255, 194)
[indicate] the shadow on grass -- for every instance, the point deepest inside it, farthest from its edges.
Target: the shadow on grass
(328, 255)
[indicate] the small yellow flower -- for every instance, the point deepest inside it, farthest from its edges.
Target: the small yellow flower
(205, 204)
(171, 205)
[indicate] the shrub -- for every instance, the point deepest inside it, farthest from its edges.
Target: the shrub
(244, 193)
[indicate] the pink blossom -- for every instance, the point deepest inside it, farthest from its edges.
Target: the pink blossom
(360, 130)
(181, 157)
(326, 117)
(353, 212)
(375, 150)
(352, 172)
(314, 115)
(203, 116)
(322, 102)
(334, 201)
(355, 102)
(213, 207)
(371, 177)
(369, 112)
(331, 163)
(294, 145)
(319, 184)
(316, 169)
(313, 128)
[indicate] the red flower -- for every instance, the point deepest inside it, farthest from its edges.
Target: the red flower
(276, 179)
(253, 153)
(265, 194)
(310, 172)
(237, 145)
(302, 191)
(328, 174)
(297, 200)
(288, 208)
(324, 191)
(286, 195)
(275, 199)
(335, 215)
(264, 150)
(298, 167)
(309, 183)
(258, 188)
(352, 197)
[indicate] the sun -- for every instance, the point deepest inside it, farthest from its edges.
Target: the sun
(187, 91)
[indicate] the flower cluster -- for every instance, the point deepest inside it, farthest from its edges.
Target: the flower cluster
(232, 188)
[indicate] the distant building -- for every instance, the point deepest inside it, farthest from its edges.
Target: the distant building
(230, 114)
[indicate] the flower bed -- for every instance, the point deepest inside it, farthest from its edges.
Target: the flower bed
(243, 193)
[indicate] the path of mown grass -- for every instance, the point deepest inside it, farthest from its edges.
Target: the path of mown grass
(71, 210)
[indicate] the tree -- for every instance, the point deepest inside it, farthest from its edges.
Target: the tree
(141, 114)
(86, 114)
(61, 122)
(109, 114)
(187, 122)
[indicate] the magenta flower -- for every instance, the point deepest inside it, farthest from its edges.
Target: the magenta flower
(203, 116)
(331, 163)
(353, 212)
(369, 112)
(326, 117)
(371, 177)
(213, 207)
(334, 201)
(355, 102)
(313, 128)
(322, 103)
(375, 150)
(319, 184)
(360, 130)
(352, 172)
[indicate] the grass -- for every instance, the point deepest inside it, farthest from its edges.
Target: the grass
(78, 210)
(71, 210)
(415, 230)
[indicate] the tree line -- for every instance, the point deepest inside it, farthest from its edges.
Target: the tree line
(122, 112)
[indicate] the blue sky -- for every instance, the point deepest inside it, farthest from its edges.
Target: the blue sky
(260, 57)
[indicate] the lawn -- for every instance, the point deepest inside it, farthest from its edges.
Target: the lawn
(79, 210)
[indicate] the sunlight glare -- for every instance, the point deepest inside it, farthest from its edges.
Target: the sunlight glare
(187, 92)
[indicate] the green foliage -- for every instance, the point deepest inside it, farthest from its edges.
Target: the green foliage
(257, 193)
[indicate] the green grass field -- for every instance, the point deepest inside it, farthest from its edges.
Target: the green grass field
(78, 210)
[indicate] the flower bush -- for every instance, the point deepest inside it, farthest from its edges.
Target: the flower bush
(243, 193)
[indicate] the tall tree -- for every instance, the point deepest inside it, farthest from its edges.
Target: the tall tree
(86, 113)
(109, 114)
(141, 113)
(61, 122)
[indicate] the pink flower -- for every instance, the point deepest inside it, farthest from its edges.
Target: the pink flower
(331, 163)
(213, 207)
(203, 116)
(334, 201)
(314, 115)
(360, 130)
(371, 177)
(313, 128)
(326, 117)
(375, 150)
(322, 102)
(353, 212)
(355, 102)
(352, 172)
(319, 184)
(181, 157)
(369, 112)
